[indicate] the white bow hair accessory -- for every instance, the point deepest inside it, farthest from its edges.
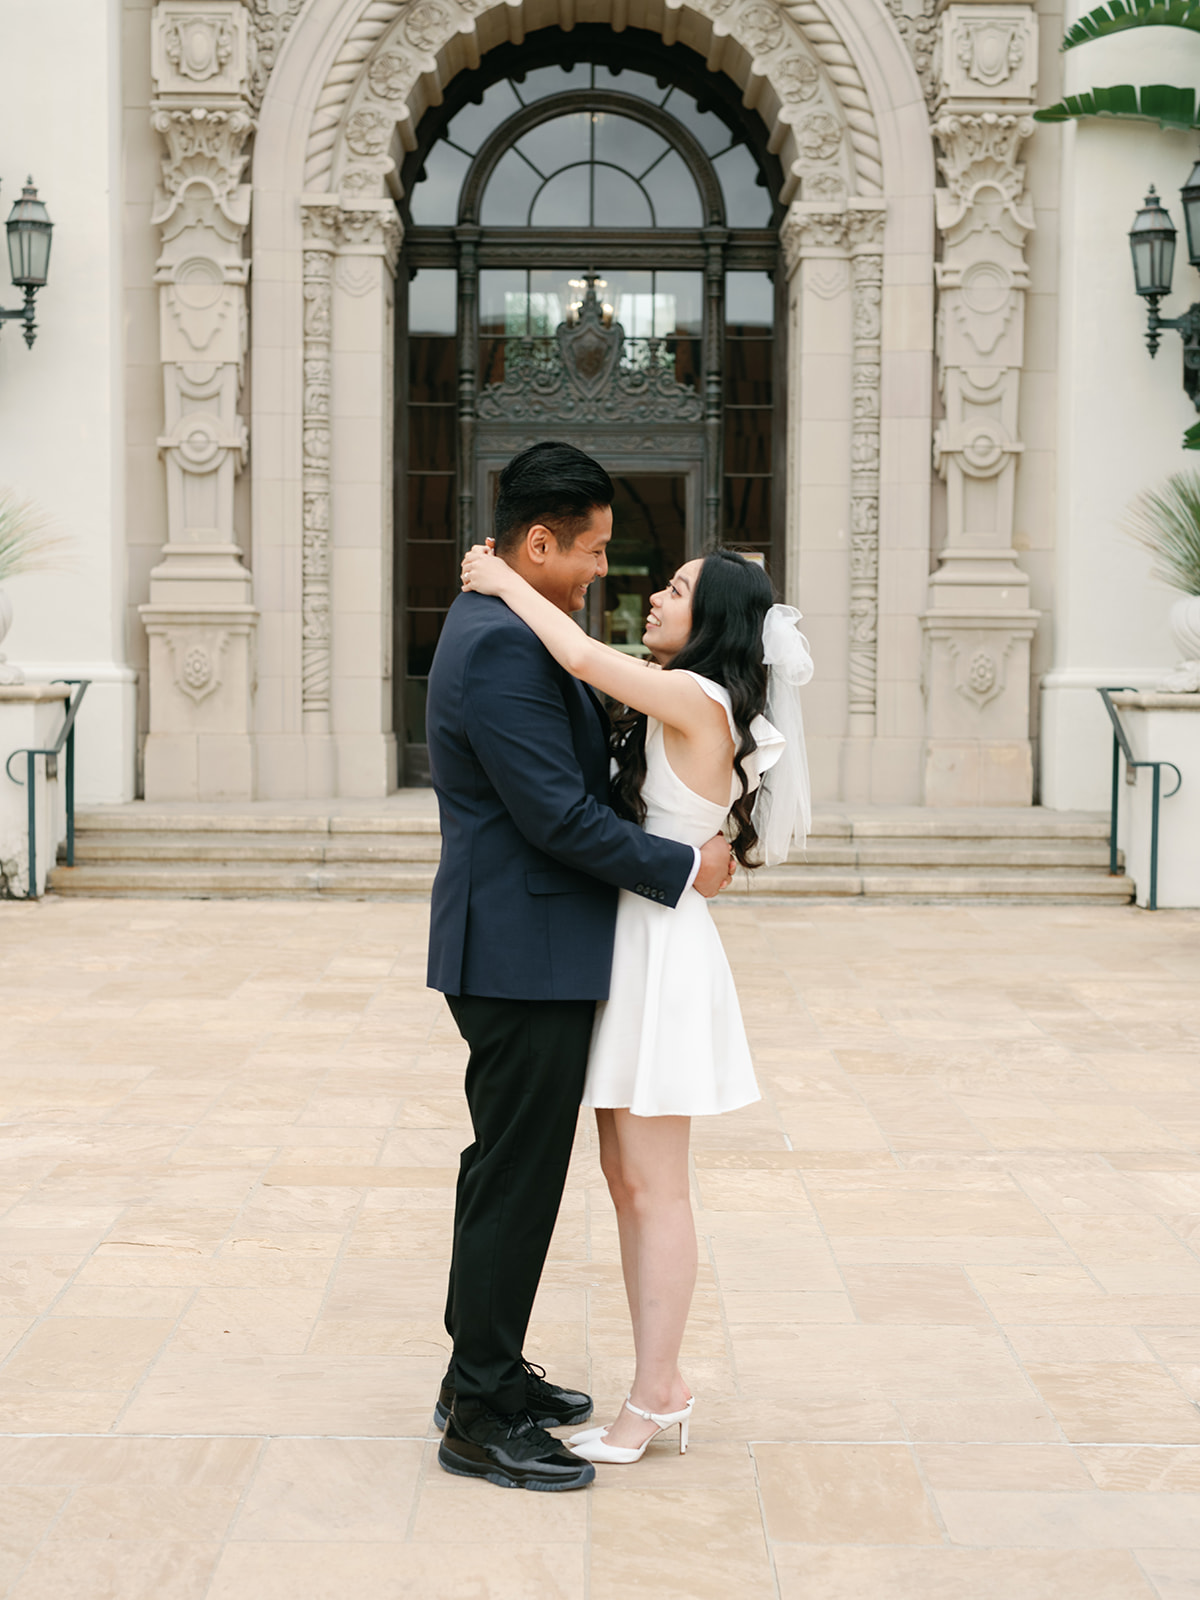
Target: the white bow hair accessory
(783, 807)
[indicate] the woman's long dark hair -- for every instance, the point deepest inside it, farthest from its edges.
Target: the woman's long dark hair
(730, 600)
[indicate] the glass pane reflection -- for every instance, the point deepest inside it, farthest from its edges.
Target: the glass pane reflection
(471, 126)
(617, 201)
(673, 193)
(626, 143)
(556, 144)
(509, 192)
(747, 205)
(563, 201)
(435, 200)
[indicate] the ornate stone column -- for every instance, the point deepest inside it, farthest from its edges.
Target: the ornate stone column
(200, 617)
(864, 225)
(832, 248)
(978, 623)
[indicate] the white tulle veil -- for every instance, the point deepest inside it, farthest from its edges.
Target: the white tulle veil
(783, 806)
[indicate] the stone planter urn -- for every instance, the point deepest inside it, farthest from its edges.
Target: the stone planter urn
(7, 674)
(1185, 625)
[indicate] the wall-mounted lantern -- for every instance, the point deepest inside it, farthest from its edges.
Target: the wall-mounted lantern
(29, 230)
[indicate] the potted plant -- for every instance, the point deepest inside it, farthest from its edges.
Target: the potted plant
(27, 544)
(1166, 522)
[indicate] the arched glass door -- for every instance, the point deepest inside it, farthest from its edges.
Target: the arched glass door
(590, 254)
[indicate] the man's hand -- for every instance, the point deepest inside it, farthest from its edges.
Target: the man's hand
(716, 867)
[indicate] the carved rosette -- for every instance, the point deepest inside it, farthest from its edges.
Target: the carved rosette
(865, 238)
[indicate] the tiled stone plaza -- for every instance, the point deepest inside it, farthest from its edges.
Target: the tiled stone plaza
(946, 1342)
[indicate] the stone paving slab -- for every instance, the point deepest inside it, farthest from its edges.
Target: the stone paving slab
(946, 1339)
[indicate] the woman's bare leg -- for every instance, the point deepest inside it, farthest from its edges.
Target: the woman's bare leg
(610, 1165)
(654, 1209)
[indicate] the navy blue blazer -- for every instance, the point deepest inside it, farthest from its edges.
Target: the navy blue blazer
(525, 899)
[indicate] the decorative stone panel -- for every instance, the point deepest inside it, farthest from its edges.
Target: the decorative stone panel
(200, 615)
(988, 52)
(978, 623)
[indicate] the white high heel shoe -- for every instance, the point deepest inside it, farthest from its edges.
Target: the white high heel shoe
(592, 1446)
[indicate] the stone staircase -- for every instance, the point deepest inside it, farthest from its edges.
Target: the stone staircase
(368, 850)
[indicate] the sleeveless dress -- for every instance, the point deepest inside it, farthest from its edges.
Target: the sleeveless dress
(669, 1040)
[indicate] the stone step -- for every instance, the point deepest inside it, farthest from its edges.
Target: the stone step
(377, 849)
(382, 880)
(414, 811)
(98, 847)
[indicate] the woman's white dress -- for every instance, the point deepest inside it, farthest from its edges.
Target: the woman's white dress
(669, 1040)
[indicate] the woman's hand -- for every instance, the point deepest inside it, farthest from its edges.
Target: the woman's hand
(482, 569)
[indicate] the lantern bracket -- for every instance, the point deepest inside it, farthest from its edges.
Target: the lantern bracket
(1188, 328)
(24, 314)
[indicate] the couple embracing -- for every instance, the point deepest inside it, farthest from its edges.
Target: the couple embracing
(570, 937)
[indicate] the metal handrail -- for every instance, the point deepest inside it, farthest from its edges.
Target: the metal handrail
(66, 736)
(1122, 747)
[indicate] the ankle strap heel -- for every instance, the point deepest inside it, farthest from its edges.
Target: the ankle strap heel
(593, 1446)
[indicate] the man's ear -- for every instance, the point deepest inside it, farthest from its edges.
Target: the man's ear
(537, 543)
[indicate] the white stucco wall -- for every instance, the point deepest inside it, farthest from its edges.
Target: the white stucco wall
(1121, 415)
(61, 403)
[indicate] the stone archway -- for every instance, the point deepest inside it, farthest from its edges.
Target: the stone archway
(840, 97)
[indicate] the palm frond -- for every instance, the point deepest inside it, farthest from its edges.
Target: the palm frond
(1119, 15)
(1191, 438)
(28, 539)
(1164, 103)
(1166, 522)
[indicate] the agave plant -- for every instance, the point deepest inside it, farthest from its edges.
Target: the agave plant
(28, 541)
(1166, 522)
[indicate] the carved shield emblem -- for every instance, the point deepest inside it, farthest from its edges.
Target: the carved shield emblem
(590, 351)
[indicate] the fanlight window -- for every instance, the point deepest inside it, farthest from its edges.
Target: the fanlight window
(588, 168)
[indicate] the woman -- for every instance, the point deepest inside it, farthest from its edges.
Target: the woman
(669, 1044)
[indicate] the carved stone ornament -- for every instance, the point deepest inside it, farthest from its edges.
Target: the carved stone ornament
(203, 144)
(426, 25)
(797, 79)
(981, 148)
(199, 47)
(818, 136)
(761, 27)
(392, 75)
(368, 132)
(827, 278)
(826, 185)
(979, 669)
(989, 52)
(586, 379)
(271, 21)
(865, 230)
(197, 660)
(808, 229)
(916, 22)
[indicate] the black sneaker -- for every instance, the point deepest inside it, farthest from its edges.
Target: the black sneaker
(546, 1403)
(509, 1450)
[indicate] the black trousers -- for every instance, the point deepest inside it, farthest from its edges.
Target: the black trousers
(524, 1083)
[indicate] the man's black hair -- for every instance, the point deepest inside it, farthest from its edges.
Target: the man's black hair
(551, 483)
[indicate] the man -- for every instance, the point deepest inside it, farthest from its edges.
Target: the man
(520, 943)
